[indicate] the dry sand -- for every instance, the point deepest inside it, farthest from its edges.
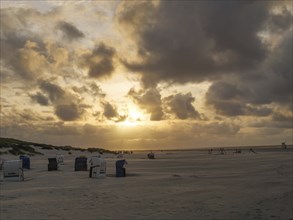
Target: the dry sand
(175, 185)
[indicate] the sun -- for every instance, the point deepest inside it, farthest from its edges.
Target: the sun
(134, 117)
(135, 114)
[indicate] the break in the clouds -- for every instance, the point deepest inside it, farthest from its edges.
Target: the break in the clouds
(123, 74)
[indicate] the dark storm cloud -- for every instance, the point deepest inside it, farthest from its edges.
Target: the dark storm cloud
(192, 40)
(230, 100)
(68, 112)
(245, 96)
(99, 62)
(102, 68)
(92, 88)
(274, 124)
(218, 41)
(181, 105)
(170, 42)
(40, 98)
(67, 106)
(54, 92)
(96, 90)
(111, 112)
(233, 26)
(272, 81)
(150, 100)
(279, 81)
(69, 31)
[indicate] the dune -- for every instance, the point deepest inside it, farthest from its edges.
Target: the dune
(174, 185)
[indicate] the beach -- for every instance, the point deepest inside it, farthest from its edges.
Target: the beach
(175, 185)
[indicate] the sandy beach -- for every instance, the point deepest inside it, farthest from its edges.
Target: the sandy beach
(174, 185)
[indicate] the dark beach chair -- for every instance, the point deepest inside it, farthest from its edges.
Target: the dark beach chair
(120, 169)
(80, 164)
(53, 165)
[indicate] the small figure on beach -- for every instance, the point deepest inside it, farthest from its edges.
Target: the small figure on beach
(151, 155)
(210, 151)
(252, 151)
(284, 146)
(222, 150)
(238, 151)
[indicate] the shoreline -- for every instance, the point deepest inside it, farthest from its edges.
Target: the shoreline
(244, 147)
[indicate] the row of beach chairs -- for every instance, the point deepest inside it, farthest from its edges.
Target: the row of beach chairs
(14, 169)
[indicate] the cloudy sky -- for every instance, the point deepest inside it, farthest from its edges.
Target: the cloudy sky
(147, 74)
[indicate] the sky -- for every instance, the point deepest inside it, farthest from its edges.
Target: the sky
(147, 74)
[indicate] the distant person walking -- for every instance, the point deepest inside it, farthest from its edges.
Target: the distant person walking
(252, 151)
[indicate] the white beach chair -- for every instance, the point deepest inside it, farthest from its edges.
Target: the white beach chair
(98, 167)
(12, 170)
(60, 159)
